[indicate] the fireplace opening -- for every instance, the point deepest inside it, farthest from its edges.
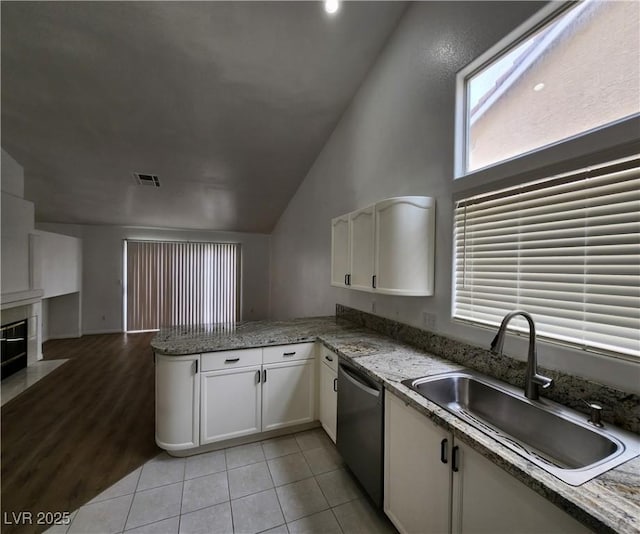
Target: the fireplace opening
(14, 347)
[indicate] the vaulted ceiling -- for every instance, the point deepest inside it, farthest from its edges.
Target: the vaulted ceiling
(229, 103)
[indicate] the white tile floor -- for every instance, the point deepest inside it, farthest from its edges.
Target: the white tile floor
(18, 382)
(294, 484)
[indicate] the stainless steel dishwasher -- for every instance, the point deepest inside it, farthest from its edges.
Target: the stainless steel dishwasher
(359, 436)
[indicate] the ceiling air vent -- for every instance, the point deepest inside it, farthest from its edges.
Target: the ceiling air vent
(146, 179)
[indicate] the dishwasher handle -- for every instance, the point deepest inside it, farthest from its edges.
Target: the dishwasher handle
(358, 381)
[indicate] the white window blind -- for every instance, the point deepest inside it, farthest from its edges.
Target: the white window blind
(175, 283)
(565, 249)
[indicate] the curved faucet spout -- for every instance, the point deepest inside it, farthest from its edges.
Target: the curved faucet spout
(533, 380)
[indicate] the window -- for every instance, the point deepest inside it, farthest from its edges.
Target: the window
(566, 249)
(173, 283)
(573, 72)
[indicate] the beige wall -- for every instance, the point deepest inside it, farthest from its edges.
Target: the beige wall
(590, 79)
(102, 268)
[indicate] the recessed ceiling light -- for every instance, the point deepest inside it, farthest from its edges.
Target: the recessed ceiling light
(331, 6)
(538, 87)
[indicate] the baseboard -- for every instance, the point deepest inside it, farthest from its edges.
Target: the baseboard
(94, 332)
(74, 335)
(260, 436)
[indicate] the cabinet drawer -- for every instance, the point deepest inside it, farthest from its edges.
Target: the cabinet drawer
(329, 358)
(227, 359)
(284, 353)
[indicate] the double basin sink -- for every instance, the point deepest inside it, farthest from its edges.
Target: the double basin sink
(559, 440)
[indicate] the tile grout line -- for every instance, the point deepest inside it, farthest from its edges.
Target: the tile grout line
(202, 476)
(233, 528)
(336, 518)
(307, 515)
(187, 458)
(71, 522)
(126, 519)
(331, 508)
(315, 477)
(152, 523)
(66, 530)
(184, 474)
(276, 492)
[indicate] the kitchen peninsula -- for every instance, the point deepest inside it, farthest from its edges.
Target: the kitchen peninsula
(610, 502)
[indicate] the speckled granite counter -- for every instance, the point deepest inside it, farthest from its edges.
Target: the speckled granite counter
(609, 503)
(179, 340)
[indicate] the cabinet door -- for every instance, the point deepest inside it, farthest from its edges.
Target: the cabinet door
(177, 402)
(416, 481)
(231, 403)
(362, 242)
(487, 499)
(339, 250)
(328, 399)
(288, 393)
(404, 249)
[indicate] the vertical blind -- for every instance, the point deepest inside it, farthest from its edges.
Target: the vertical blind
(565, 249)
(175, 283)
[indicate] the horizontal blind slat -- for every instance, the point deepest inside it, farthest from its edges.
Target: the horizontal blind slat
(568, 252)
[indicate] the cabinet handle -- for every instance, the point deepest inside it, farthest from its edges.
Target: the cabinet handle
(348, 279)
(264, 375)
(335, 385)
(443, 451)
(232, 360)
(196, 362)
(258, 377)
(373, 281)
(345, 280)
(454, 459)
(328, 358)
(289, 353)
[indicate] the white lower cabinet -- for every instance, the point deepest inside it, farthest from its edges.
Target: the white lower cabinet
(231, 404)
(417, 485)
(177, 402)
(328, 392)
(424, 495)
(487, 499)
(239, 395)
(288, 394)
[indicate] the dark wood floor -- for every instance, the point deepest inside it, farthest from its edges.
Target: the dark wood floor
(81, 428)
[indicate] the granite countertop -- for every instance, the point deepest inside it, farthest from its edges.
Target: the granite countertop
(180, 340)
(608, 503)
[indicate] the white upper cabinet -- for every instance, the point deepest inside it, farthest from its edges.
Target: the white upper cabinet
(340, 251)
(404, 259)
(386, 248)
(362, 240)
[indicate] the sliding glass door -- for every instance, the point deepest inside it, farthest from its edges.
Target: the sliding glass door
(180, 283)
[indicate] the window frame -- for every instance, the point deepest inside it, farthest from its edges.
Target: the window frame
(552, 158)
(613, 141)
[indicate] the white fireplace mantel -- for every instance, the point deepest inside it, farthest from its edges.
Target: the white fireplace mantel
(20, 298)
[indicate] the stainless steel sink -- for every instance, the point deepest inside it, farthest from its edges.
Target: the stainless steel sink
(556, 438)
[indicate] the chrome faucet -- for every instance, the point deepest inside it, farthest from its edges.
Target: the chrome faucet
(533, 381)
